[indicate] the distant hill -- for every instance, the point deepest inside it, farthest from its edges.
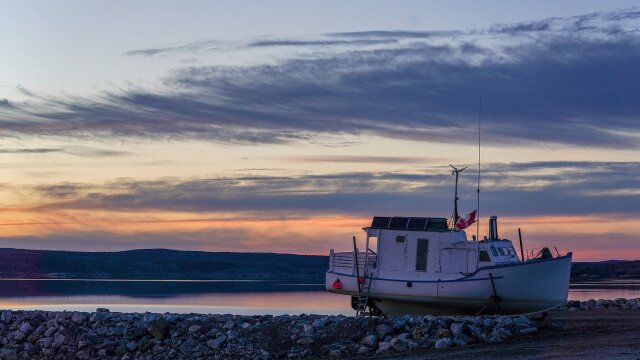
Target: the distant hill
(202, 265)
(160, 264)
(610, 269)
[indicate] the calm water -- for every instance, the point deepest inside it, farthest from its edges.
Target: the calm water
(234, 297)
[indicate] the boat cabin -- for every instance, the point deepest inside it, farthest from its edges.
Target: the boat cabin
(424, 248)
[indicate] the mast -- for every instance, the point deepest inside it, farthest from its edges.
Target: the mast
(478, 190)
(456, 172)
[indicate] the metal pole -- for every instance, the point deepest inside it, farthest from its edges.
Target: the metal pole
(355, 259)
(521, 248)
(366, 255)
(455, 206)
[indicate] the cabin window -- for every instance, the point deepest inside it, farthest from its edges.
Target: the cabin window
(501, 251)
(484, 256)
(400, 238)
(493, 251)
(421, 255)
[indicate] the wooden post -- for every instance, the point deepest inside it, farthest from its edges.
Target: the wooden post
(521, 249)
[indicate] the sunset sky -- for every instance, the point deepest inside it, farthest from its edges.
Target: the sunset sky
(284, 126)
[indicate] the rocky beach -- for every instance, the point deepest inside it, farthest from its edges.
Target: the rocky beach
(104, 334)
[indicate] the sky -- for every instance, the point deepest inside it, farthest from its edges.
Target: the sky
(284, 126)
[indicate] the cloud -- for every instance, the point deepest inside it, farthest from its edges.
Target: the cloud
(527, 189)
(570, 81)
(82, 151)
(361, 159)
(5, 103)
(29, 151)
(190, 48)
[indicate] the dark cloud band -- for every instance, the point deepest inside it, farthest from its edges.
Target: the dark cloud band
(570, 81)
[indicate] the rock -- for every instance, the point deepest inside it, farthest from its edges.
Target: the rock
(363, 350)
(335, 353)
(8, 354)
(383, 330)
(216, 343)
(444, 333)
(319, 323)
(159, 328)
(529, 330)
(399, 344)
(443, 343)
(78, 318)
(5, 316)
(99, 316)
(456, 329)
(187, 347)
(474, 331)
(305, 341)
(102, 310)
(132, 345)
(19, 336)
(57, 341)
(25, 328)
(82, 355)
(308, 329)
(370, 340)
(194, 329)
(229, 325)
(383, 346)
(399, 324)
(46, 342)
(500, 334)
(459, 342)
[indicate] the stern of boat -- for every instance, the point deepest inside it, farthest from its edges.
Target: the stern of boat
(344, 270)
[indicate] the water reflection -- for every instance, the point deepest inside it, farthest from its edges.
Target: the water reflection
(234, 297)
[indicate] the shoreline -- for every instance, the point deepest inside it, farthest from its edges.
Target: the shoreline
(111, 335)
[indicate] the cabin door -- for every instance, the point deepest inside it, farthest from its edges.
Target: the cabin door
(422, 254)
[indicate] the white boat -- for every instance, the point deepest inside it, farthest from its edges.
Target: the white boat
(424, 265)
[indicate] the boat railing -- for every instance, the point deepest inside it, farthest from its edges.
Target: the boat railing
(343, 262)
(535, 253)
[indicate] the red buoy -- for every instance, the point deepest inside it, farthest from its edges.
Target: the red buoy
(337, 284)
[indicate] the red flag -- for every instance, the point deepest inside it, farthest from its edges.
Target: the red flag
(466, 221)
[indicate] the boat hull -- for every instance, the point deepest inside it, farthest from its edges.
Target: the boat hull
(523, 287)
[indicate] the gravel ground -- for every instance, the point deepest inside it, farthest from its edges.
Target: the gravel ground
(595, 334)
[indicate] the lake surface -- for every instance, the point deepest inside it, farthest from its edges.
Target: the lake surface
(232, 297)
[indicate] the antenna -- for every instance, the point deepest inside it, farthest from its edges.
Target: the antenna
(456, 172)
(478, 190)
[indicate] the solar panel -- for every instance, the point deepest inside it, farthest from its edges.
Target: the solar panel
(407, 223)
(380, 222)
(398, 223)
(417, 223)
(438, 224)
